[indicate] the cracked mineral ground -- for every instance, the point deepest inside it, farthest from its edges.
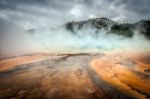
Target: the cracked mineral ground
(75, 76)
(45, 76)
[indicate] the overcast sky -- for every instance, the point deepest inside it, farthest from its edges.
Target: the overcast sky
(34, 13)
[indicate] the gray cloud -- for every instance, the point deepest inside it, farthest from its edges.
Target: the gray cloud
(32, 14)
(75, 9)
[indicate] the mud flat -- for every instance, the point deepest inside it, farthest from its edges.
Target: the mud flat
(123, 75)
(48, 76)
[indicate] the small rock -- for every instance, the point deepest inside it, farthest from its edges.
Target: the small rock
(147, 70)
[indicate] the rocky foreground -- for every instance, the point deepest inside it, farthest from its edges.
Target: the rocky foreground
(75, 76)
(48, 77)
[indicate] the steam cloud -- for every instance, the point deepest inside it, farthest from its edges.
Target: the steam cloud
(59, 40)
(87, 40)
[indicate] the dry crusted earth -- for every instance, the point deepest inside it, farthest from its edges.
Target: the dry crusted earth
(48, 77)
(76, 76)
(124, 75)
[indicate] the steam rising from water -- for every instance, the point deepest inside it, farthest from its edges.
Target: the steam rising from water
(87, 40)
(59, 40)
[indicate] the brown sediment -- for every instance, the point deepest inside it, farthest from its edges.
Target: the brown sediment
(55, 77)
(125, 72)
(9, 63)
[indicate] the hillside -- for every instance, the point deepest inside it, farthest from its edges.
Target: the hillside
(111, 27)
